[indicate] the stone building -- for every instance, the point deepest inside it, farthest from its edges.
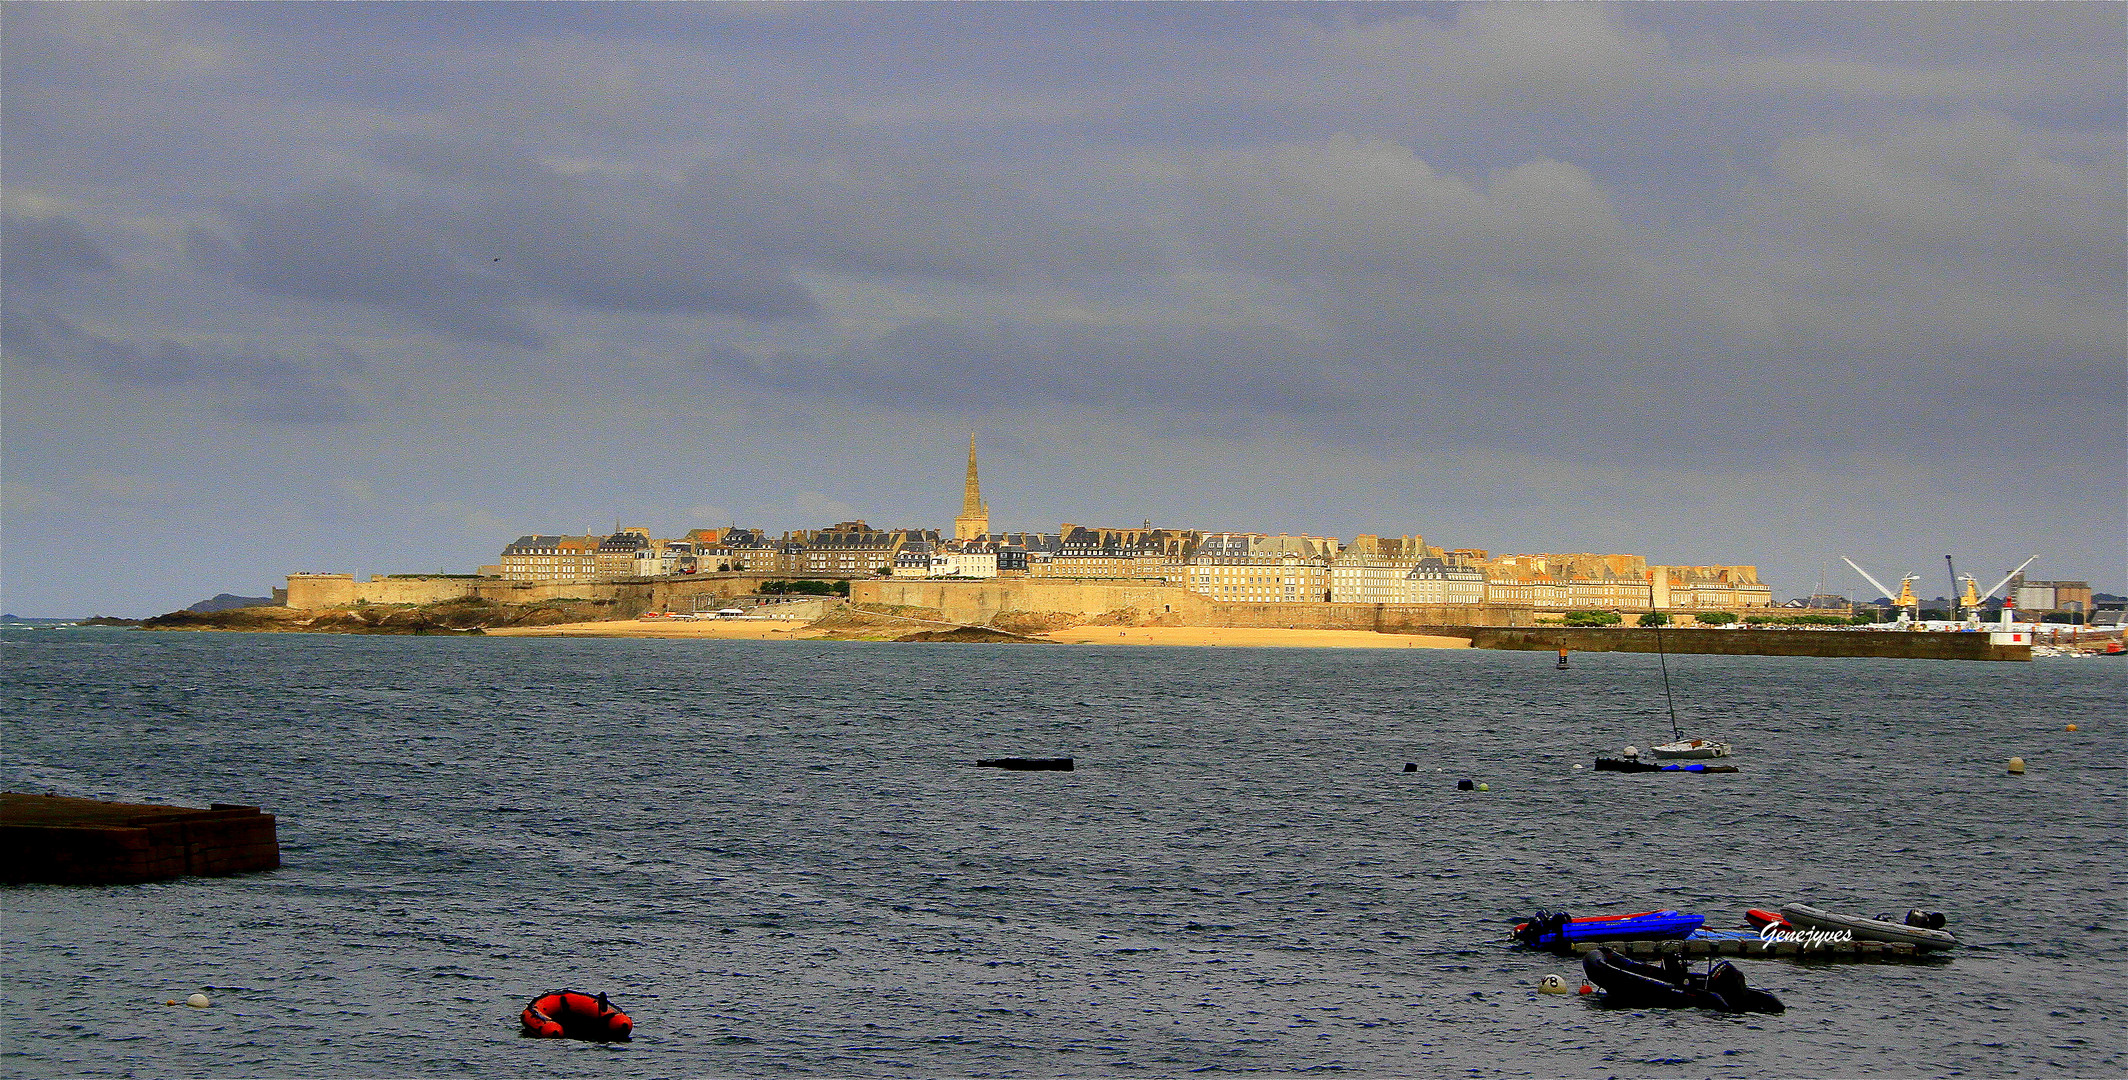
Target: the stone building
(1140, 554)
(849, 547)
(547, 557)
(1435, 580)
(1707, 588)
(971, 559)
(1375, 569)
(1267, 569)
(914, 560)
(1619, 583)
(615, 556)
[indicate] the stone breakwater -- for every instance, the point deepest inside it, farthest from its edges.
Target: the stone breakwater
(64, 841)
(1891, 644)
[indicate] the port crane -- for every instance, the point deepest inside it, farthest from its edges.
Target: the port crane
(1906, 601)
(1975, 601)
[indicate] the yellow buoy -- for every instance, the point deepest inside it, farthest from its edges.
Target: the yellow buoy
(2017, 766)
(2072, 727)
(1482, 786)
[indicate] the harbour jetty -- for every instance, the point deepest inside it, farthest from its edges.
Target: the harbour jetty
(1751, 949)
(58, 840)
(1895, 644)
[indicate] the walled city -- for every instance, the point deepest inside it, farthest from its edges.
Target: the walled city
(1250, 578)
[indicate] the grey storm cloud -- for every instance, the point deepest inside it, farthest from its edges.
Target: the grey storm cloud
(258, 385)
(467, 268)
(934, 364)
(886, 211)
(39, 252)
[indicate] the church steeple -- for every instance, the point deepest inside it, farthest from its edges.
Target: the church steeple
(974, 522)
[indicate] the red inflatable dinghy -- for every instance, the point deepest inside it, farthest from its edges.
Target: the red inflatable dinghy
(566, 1014)
(1760, 920)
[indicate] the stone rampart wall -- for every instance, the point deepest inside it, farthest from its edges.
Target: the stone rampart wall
(978, 602)
(1882, 643)
(1383, 618)
(634, 595)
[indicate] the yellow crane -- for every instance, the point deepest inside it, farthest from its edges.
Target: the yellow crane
(1906, 603)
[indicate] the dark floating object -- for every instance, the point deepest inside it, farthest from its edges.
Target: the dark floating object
(1559, 930)
(1411, 766)
(567, 1014)
(1027, 764)
(1630, 984)
(1636, 765)
(1466, 785)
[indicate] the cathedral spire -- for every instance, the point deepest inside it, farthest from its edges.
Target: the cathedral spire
(974, 522)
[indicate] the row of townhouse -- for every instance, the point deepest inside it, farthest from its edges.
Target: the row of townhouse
(1227, 566)
(1620, 583)
(847, 548)
(547, 557)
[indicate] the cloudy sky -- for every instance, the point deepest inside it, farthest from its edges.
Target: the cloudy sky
(378, 288)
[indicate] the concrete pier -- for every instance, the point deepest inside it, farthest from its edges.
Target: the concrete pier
(63, 841)
(1766, 950)
(1891, 644)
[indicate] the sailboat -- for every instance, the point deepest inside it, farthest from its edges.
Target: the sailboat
(1680, 747)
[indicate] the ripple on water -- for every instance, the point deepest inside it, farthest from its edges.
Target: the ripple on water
(775, 857)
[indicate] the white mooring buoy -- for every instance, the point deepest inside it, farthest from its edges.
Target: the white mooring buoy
(198, 1001)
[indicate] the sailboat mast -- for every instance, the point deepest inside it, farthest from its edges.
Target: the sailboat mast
(1664, 659)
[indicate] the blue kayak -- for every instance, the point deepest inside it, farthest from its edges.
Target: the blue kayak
(1558, 928)
(1704, 934)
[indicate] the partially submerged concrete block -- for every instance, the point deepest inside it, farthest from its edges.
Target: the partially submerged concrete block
(65, 841)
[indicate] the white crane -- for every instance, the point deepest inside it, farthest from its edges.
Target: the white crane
(2006, 577)
(1904, 597)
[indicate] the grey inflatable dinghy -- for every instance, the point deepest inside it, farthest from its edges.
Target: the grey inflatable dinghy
(1921, 930)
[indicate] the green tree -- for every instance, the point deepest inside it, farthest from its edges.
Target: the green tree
(1655, 618)
(1593, 618)
(1714, 618)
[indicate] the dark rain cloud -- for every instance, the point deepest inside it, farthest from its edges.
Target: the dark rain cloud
(469, 267)
(39, 252)
(253, 383)
(936, 365)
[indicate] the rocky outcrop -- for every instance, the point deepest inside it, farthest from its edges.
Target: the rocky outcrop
(226, 601)
(456, 616)
(979, 634)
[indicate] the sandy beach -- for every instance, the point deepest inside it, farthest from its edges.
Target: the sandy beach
(776, 630)
(1246, 636)
(715, 629)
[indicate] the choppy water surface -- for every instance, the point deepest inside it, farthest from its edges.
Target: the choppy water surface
(776, 857)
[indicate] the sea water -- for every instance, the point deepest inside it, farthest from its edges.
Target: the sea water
(779, 859)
